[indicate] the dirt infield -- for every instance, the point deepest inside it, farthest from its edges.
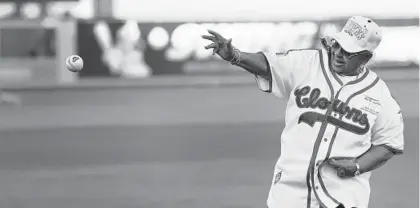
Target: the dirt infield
(165, 147)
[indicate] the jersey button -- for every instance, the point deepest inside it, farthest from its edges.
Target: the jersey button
(325, 140)
(316, 187)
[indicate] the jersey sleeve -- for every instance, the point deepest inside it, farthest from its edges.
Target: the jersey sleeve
(286, 70)
(389, 127)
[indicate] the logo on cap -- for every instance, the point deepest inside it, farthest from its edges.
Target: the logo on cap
(354, 29)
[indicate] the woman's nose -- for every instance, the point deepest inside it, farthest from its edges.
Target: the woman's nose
(339, 52)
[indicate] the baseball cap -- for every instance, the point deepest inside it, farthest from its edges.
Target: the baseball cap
(359, 34)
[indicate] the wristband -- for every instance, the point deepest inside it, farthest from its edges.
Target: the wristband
(236, 59)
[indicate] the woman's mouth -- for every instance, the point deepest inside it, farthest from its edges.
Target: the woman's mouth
(339, 62)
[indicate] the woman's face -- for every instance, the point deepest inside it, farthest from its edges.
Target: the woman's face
(344, 62)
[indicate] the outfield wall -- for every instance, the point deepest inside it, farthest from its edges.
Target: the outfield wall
(162, 101)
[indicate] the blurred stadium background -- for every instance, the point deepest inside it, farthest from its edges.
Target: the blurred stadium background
(154, 120)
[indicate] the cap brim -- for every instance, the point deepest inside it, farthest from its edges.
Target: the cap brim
(347, 43)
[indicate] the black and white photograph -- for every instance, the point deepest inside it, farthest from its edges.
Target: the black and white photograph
(209, 104)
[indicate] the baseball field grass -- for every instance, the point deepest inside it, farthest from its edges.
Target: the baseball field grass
(165, 147)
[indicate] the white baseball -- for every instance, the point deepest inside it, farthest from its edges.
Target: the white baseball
(74, 63)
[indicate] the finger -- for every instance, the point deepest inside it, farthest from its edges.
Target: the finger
(334, 163)
(341, 158)
(215, 50)
(332, 160)
(340, 162)
(209, 37)
(212, 45)
(217, 35)
(229, 44)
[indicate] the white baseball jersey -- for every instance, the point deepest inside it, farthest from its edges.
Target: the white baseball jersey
(326, 116)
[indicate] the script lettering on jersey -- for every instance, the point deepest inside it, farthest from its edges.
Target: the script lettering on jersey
(307, 98)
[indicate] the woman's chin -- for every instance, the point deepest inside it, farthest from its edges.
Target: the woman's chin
(338, 68)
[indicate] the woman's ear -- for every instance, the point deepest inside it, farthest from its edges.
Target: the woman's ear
(367, 57)
(326, 43)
